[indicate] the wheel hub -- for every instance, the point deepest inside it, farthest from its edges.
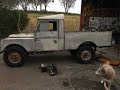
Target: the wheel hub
(14, 57)
(86, 55)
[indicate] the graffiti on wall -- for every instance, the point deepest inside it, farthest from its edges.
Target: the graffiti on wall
(104, 23)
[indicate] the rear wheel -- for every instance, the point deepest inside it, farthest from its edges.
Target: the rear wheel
(86, 54)
(14, 56)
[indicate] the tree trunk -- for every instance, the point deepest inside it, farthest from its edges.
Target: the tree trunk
(36, 8)
(25, 8)
(40, 7)
(18, 23)
(66, 10)
(45, 8)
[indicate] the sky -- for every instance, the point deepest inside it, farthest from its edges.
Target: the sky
(56, 6)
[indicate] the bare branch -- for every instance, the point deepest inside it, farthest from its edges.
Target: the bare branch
(24, 4)
(67, 4)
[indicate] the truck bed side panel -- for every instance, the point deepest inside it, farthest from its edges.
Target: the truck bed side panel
(74, 39)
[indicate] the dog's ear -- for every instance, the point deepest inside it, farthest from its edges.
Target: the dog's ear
(103, 71)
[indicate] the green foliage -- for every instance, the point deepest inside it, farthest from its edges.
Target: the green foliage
(9, 21)
(8, 4)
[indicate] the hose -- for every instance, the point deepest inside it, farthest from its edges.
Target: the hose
(85, 70)
(76, 73)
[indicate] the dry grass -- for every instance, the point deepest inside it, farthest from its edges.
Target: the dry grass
(72, 22)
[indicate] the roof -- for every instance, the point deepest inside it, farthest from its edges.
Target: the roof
(58, 16)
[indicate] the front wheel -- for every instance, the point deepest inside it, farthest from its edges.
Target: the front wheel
(14, 56)
(86, 54)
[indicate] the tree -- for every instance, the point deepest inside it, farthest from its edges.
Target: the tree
(24, 4)
(67, 4)
(34, 4)
(40, 3)
(8, 16)
(46, 2)
(7, 4)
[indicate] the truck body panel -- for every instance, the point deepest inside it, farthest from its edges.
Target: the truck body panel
(74, 39)
(27, 43)
(47, 44)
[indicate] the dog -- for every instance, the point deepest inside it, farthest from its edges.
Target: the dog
(108, 73)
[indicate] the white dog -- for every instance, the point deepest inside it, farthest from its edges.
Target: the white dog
(108, 74)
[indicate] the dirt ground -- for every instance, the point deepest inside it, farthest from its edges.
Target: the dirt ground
(29, 77)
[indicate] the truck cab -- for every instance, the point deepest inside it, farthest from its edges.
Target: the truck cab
(49, 34)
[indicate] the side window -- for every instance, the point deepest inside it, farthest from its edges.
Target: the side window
(52, 26)
(47, 26)
(43, 26)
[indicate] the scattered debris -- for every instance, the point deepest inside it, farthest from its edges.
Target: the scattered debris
(43, 68)
(51, 69)
(111, 62)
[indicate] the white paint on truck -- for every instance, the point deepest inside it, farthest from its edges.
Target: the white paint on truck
(74, 39)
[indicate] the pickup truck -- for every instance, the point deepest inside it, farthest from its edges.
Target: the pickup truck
(50, 36)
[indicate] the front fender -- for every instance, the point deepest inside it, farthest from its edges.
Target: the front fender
(27, 43)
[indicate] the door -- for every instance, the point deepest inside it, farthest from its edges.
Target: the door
(46, 36)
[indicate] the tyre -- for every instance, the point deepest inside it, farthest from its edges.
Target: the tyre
(73, 52)
(86, 54)
(14, 56)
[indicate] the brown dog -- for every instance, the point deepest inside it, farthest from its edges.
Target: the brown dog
(108, 74)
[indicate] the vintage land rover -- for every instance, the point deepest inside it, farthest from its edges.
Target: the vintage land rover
(50, 36)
